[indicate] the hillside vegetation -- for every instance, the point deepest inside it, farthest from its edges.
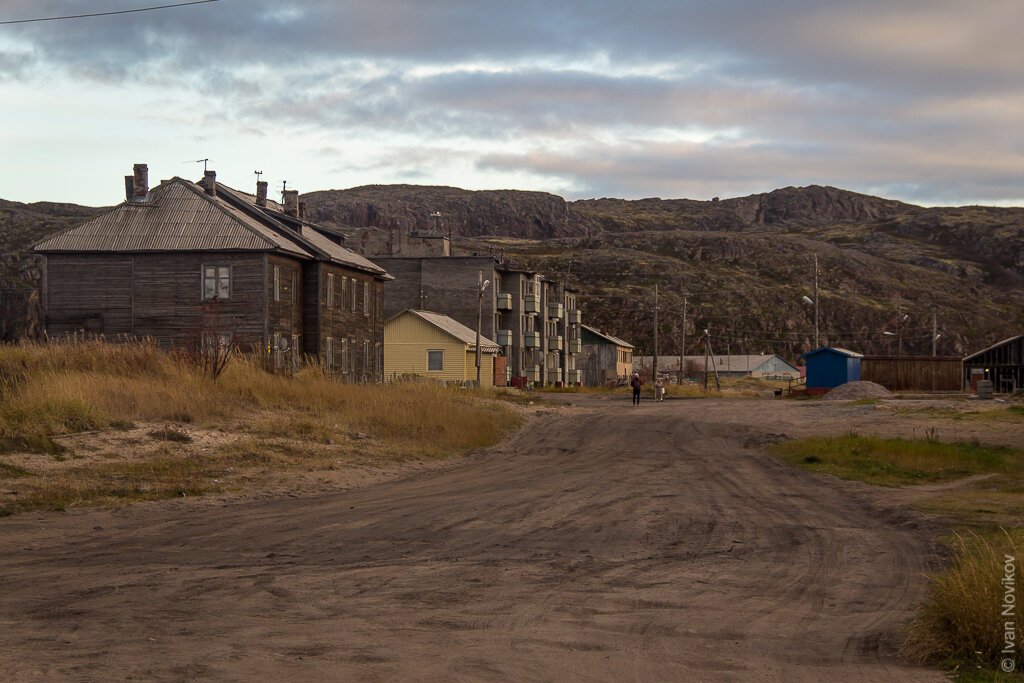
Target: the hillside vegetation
(743, 263)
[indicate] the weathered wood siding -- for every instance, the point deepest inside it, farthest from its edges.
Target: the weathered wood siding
(356, 329)
(902, 373)
(151, 295)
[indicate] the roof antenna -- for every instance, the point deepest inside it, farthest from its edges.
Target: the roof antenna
(196, 161)
(258, 174)
(284, 186)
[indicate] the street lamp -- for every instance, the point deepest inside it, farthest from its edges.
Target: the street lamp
(813, 302)
(482, 283)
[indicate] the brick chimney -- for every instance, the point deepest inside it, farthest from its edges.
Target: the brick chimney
(261, 193)
(129, 188)
(291, 203)
(302, 211)
(210, 182)
(140, 182)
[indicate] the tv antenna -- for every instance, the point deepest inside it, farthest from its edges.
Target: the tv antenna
(197, 161)
(258, 174)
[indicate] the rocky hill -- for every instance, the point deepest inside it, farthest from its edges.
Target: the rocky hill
(743, 264)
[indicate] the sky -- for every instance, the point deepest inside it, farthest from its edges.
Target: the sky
(916, 100)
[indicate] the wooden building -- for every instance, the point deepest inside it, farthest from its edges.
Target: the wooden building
(187, 260)
(914, 373)
(1002, 364)
(432, 345)
(604, 358)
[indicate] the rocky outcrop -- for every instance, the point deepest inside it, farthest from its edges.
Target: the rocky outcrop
(463, 213)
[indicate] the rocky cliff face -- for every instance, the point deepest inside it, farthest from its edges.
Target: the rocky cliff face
(463, 213)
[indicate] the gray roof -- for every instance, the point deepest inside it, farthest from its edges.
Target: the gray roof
(452, 327)
(731, 363)
(994, 346)
(610, 338)
(179, 216)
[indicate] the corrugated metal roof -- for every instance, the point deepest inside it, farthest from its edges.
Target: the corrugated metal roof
(733, 363)
(341, 254)
(454, 328)
(179, 216)
(835, 349)
(290, 225)
(994, 346)
(610, 338)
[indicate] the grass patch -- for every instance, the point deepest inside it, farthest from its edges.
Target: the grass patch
(894, 462)
(864, 402)
(301, 422)
(9, 471)
(962, 624)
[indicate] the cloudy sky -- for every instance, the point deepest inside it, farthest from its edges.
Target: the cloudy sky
(918, 100)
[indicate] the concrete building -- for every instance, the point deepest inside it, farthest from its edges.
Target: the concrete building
(535, 320)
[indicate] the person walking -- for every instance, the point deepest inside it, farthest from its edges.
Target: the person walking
(636, 383)
(659, 389)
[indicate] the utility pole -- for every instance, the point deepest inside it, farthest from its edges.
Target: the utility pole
(709, 352)
(682, 345)
(654, 367)
(817, 345)
(899, 329)
(479, 320)
(935, 334)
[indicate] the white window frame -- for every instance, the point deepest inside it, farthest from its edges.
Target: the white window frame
(354, 288)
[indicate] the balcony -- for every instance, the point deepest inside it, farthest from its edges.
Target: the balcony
(555, 343)
(555, 311)
(504, 338)
(575, 346)
(554, 374)
(532, 373)
(531, 303)
(504, 302)
(531, 340)
(575, 376)
(575, 317)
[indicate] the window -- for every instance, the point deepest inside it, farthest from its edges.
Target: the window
(376, 300)
(435, 361)
(295, 287)
(379, 365)
(329, 352)
(366, 356)
(366, 298)
(352, 356)
(353, 294)
(330, 290)
(216, 282)
(344, 354)
(277, 283)
(344, 289)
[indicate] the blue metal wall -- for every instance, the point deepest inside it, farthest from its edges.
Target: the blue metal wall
(827, 369)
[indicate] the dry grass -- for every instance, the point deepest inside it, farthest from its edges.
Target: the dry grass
(48, 390)
(963, 622)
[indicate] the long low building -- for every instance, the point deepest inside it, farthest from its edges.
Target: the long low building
(432, 345)
(765, 365)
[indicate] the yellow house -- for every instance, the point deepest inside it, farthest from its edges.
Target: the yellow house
(435, 346)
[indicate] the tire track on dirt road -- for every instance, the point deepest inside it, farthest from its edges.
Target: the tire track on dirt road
(601, 542)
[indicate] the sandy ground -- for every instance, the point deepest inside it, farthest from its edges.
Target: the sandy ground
(601, 542)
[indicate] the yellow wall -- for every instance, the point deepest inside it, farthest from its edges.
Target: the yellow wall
(407, 340)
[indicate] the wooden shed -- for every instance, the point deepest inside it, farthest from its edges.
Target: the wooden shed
(603, 358)
(432, 345)
(829, 367)
(1002, 364)
(914, 373)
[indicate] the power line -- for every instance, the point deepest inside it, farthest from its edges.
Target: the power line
(107, 14)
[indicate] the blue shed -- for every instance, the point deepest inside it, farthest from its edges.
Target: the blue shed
(829, 367)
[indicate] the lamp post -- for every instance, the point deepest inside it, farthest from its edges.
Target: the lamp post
(482, 283)
(814, 302)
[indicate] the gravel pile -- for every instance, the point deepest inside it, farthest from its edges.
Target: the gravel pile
(852, 391)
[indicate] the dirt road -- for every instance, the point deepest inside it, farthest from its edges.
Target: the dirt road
(603, 542)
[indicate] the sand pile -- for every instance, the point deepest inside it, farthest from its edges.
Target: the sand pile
(852, 391)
